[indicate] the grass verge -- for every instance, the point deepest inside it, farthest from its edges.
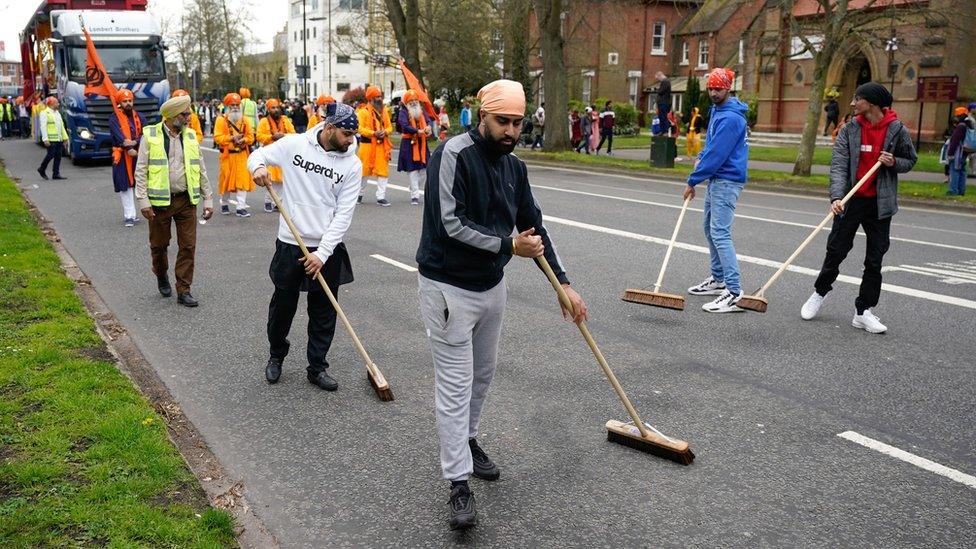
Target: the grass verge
(84, 459)
(927, 161)
(921, 190)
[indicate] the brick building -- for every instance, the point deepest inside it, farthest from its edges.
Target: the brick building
(11, 75)
(929, 39)
(614, 48)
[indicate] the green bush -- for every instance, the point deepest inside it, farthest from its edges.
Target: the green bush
(625, 114)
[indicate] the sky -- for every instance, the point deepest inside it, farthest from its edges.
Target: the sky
(272, 15)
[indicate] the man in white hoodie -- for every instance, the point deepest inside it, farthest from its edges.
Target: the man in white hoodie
(322, 174)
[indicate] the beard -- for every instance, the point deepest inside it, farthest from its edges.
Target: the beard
(275, 114)
(499, 147)
(335, 145)
(415, 111)
(235, 116)
(127, 109)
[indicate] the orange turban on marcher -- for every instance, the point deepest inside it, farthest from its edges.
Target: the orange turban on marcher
(410, 96)
(232, 99)
(721, 79)
(372, 92)
(244, 92)
(179, 93)
(504, 97)
(324, 99)
(124, 95)
(272, 103)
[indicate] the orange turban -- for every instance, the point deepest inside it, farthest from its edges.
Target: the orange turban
(504, 97)
(51, 100)
(232, 99)
(124, 95)
(272, 103)
(179, 93)
(960, 111)
(410, 96)
(324, 100)
(244, 92)
(721, 79)
(372, 92)
(19, 100)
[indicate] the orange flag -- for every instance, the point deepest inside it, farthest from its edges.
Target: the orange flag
(97, 80)
(416, 86)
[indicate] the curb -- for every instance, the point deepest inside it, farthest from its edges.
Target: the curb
(223, 491)
(786, 188)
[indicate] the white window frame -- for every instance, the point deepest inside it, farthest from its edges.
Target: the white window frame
(685, 53)
(613, 58)
(660, 49)
(588, 86)
(703, 53)
(797, 46)
(633, 89)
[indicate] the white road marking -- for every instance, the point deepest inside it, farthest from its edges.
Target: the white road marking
(908, 457)
(743, 216)
(394, 262)
(921, 294)
(944, 275)
(747, 190)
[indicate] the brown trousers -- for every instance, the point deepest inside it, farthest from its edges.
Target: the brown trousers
(181, 211)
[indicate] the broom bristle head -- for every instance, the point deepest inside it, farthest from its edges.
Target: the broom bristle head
(655, 299)
(384, 392)
(753, 303)
(667, 448)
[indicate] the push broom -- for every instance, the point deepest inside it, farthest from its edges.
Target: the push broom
(640, 435)
(656, 297)
(376, 378)
(757, 302)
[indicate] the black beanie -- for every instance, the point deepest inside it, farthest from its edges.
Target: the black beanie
(874, 93)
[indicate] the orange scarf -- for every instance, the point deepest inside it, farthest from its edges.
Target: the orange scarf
(419, 139)
(126, 133)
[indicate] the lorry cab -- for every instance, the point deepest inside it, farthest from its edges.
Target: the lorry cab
(130, 48)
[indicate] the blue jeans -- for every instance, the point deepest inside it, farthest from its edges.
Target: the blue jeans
(720, 199)
(957, 179)
(663, 124)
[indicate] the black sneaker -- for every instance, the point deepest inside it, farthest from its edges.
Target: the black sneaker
(383, 202)
(186, 300)
(463, 513)
(273, 370)
(224, 209)
(269, 207)
(484, 468)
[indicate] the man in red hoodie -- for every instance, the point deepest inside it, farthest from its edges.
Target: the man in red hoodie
(875, 134)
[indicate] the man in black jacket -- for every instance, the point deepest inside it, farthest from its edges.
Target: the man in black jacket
(477, 195)
(663, 101)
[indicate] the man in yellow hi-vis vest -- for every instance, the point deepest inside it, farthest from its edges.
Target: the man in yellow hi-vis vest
(53, 135)
(171, 179)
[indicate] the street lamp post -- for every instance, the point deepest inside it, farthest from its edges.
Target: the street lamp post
(304, 63)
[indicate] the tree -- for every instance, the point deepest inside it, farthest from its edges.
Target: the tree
(515, 29)
(404, 17)
(548, 14)
(462, 57)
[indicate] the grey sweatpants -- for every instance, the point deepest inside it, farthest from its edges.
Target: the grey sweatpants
(463, 328)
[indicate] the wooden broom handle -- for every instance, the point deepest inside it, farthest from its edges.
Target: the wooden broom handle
(674, 236)
(816, 231)
(373, 370)
(564, 299)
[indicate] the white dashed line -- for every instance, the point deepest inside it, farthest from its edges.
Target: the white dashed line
(394, 262)
(908, 457)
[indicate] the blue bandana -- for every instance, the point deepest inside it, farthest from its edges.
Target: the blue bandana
(341, 116)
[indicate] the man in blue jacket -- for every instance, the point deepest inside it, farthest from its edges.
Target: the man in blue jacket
(723, 165)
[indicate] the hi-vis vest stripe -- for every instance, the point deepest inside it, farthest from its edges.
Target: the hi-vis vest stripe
(157, 184)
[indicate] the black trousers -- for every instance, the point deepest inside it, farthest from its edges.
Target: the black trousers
(53, 153)
(859, 212)
(289, 278)
(608, 137)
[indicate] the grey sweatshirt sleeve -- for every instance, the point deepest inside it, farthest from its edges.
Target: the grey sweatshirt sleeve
(840, 165)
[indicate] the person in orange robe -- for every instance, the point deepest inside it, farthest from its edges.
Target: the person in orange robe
(320, 105)
(234, 137)
(271, 128)
(375, 146)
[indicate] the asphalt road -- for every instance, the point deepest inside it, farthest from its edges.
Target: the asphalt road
(761, 397)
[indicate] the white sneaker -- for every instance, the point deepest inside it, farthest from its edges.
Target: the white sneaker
(709, 286)
(868, 322)
(812, 306)
(725, 303)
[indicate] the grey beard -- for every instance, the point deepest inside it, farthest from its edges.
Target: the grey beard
(415, 111)
(235, 117)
